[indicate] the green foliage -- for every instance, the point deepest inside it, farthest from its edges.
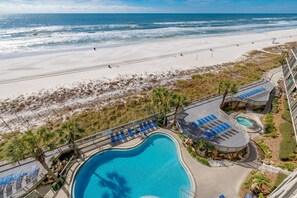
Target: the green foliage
(287, 116)
(265, 148)
(280, 178)
(203, 145)
(181, 136)
(288, 143)
(57, 185)
(258, 178)
(275, 106)
(202, 161)
(261, 195)
(270, 125)
(197, 77)
(290, 166)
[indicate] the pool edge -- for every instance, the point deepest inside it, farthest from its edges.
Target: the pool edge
(180, 157)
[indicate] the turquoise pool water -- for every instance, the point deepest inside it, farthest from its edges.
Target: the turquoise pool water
(244, 121)
(151, 169)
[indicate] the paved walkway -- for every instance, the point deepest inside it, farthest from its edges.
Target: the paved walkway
(209, 181)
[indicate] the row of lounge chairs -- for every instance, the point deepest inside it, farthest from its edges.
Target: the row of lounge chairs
(217, 129)
(251, 93)
(17, 178)
(142, 128)
(204, 120)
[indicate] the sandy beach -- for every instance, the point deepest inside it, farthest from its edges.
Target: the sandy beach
(53, 86)
(35, 73)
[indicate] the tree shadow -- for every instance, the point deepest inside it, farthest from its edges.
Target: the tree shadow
(116, 184)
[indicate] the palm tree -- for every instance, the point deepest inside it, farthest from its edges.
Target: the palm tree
(225, 88)
(283, 57)
(261, 180)
(31, 145)
(70, 131)
(161, 101)
(177, 101)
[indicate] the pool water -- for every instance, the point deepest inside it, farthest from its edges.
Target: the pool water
(244, 121)
(151, 169)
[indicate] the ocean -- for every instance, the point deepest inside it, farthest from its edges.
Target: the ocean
(46, 32)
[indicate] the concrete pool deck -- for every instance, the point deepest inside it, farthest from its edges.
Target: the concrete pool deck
(209, 181)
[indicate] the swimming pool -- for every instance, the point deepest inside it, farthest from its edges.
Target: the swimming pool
(244, 121)
(151, 169)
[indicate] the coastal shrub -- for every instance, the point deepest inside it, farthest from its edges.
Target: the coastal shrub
(280, 178)
(197, 76)
(265, 148)
(290, 166)
(287, 116)
(181, 136)
(261, 195)
(288, 143)
(275, 106)
(57, 185)
(270, 125)
(203, 161)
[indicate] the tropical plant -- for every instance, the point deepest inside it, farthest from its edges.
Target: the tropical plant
(256, 181)
(31, 145)
(161, 101)
(69, 132)
(225, 88)
(261, 180)
(177, 101)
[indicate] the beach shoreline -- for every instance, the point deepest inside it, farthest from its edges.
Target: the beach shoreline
(32, 74)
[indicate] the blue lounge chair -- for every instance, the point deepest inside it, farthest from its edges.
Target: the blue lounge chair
(1, 182)
(213, 132)
(137, 131)
(144, 132)
(130, 132)
(154, 123)
(207, 119)
(195, 124)
(214, 117)
(146, 127)
(18, 176)
(150, 125)
(113, 140)
(8, 179)
(209, 135)
(124, 137)
(118, 137)
(200, 123)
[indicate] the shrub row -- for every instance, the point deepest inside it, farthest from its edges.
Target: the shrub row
(288, 143)
(198, 158)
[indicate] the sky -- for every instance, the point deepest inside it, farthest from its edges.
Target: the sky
(148, 6)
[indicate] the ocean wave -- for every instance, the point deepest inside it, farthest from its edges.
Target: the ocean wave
(24, 30)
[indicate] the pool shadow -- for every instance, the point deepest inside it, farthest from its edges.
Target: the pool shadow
(116, 183)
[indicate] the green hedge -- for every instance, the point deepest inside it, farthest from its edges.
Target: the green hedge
(202, 160)
(287, 116)
(288, 143)
(288, 166)
(280, 178)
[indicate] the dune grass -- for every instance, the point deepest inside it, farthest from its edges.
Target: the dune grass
(199, 86)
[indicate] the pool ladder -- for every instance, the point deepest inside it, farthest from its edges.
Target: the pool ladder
(186, 193)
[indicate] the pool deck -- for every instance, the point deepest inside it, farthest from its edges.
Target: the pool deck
(233, 139)
(209, 181)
